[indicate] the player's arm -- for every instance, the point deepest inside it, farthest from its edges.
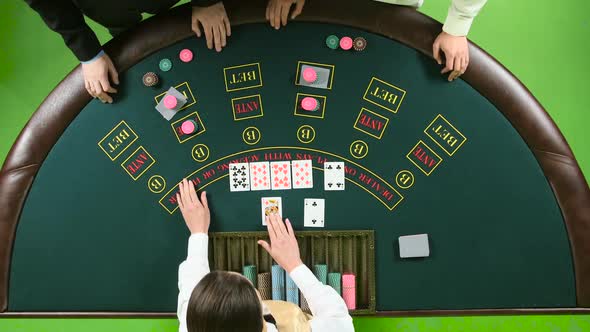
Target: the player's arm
(195, 212)
(452, 41)
(328, 308)
(210, 17)
(277, 11)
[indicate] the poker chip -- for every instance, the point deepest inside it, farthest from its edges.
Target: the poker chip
(165, 64)
(170, 102)
(310, 75)
(186, 55)
(150, 79)
(188, 127)
(332, 42)
(346, 43)
(310, 104)
(360, 43)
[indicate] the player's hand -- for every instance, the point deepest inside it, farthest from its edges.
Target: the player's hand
(283, 245)
(277, 11)
(215, 24)
(456, 53)
(194, 211)
(96, 78)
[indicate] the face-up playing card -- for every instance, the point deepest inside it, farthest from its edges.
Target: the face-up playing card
(280, 172)
(313, 213)
(334, 175)
(259, 176)
(270, 205)
(302, 174)
(239, 177)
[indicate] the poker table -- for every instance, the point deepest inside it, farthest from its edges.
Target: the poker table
(89, 223)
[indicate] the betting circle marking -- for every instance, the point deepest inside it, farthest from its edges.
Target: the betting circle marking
(156, 184)
(359, 149)
(404, 179)
(251, 135)
(306, 134)
(200, 152)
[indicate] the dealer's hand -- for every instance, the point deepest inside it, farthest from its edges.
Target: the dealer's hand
(96, 78)
(283, 245)
(215, 24)
(456, 53)
(277, 11)
(194, 211)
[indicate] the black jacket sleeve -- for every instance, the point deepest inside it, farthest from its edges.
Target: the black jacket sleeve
(63, 17)
(204, 3)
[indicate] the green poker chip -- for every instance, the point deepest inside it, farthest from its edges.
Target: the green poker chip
(165, 64)
(332, 42)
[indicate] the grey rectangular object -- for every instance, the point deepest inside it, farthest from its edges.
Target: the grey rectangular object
(411, 246)
(322, 80)
(169, 113)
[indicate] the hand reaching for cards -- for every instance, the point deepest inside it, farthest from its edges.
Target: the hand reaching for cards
(283, 245)
(277, 11)
(194, 211)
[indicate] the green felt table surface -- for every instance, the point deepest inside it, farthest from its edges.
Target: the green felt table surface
(103, 241)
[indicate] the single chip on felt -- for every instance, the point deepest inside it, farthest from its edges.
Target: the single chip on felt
(414, 246)
(309, 75)
(359, 43)
(165, 64)
(186, 55)
(189, 127)
(150, 79)
(346, 43)
(332, 42)
(170, 102)
(309, 104)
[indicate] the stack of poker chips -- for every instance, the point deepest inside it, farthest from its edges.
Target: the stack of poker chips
(349, 291)
(249, 271)
(292, 291)
(334, 279)
(346, 43)
(304, 306)
(264, 286)
(278, 283)
(321, 272)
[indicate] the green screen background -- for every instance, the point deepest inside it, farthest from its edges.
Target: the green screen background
(543, 43)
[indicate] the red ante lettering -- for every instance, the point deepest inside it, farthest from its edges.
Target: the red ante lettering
(136, 165)
(424, 158)
(370, 122)
(246, 107)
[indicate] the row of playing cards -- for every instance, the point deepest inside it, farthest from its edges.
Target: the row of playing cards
(313, 213)
(277, 175)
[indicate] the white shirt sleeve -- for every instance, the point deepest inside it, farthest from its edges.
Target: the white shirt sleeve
(461, 15)
(327, 307)
(190, 272)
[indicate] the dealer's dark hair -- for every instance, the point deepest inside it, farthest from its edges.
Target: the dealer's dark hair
(224, 302)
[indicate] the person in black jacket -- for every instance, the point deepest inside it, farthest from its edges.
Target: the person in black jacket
(66, 17)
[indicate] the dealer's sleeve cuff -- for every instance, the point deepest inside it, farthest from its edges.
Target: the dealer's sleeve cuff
(198, 245)
(96, 57)
(457, 24)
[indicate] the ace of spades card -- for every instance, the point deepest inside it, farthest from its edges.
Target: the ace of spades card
(239, 177)
(270, 205)
(302, 173)
(280, 172)
(313, 212)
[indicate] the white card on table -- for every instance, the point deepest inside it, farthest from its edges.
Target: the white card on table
(260, 176)
(302, 173)
(270, 205)
(313, 213)
(239, 177)
(280, 175)
(334, 175)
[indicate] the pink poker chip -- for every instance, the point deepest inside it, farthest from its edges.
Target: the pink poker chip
(170, 102)
(310, 75)
(346, 43)
(188, 127)
(186, 55)
(309, 104)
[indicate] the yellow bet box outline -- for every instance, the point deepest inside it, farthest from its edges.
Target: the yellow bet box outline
(199, 131)
(123, 164)
(248, 117)
(427, 130)
(109, 134)
(429, 149)
(373, 79)
(178, 87)
(303, 95)
(257, 64)
(332, 68)
(386, 120)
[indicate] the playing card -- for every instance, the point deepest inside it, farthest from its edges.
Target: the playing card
(169, 113)
(334, 175)
(239, 177)
(313, 213)
(302, 174)
(259, 176)
(281, 175)
(270, 205)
